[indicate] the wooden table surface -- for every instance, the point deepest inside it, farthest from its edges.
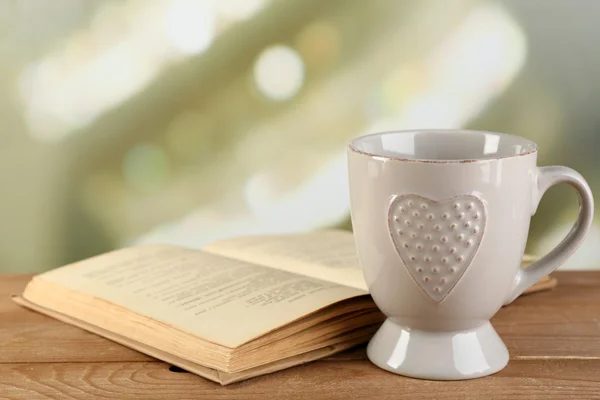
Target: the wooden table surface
(553, 338)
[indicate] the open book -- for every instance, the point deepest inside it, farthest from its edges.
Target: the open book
(241, 308)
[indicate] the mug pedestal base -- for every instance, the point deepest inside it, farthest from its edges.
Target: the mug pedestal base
(438, 355)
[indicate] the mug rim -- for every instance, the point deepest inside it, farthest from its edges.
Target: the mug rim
(352, 146)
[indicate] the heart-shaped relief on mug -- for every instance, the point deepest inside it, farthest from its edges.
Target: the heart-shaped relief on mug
(436, 240)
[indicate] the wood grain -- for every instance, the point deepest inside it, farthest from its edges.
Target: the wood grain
(553, 338)
(562, 323)
(535, 379)
(26, 336)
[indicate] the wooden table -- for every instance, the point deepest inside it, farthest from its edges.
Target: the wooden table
(553, 338)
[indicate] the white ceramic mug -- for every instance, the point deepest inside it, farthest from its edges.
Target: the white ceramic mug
(441, 219)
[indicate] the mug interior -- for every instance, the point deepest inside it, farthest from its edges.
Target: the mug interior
(443, 145)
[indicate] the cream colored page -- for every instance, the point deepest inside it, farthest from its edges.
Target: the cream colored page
(221, 300)
(329, 255)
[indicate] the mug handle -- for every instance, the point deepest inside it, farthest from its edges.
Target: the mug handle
(545, 178)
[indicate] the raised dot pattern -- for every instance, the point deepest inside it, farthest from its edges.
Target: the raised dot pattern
(441, 241)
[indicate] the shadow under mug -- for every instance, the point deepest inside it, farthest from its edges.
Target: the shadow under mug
(441, 219)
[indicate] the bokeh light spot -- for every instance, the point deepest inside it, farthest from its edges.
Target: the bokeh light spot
(279, 72)
(190, 25)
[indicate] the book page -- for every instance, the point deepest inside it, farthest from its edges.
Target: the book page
(224, 301)
(329, 255)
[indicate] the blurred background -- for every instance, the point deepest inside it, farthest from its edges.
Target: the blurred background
(187, 121)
